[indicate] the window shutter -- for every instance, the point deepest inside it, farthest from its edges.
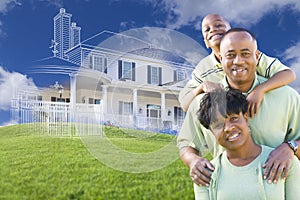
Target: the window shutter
(175, 75)
(120, 107)
(175, 114)
(159, 76)
(133, 71)
(131, 107)
(91, 62)
(149, 74)
(120, 69)
(105, 65)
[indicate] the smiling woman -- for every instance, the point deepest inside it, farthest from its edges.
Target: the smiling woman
(224, 113)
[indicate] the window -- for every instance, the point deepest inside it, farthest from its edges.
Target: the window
(154, 75)
(153, 111)
(126, 70)
(98, 63)
(125, 108)
(60, 100)
(97, 101)
(179, 75)
(178, 115)
(94, 101)
(39, 98)
(31, 97)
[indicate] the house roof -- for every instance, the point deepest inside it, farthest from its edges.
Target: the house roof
(54, 65)
(125, 44)
(160, 54)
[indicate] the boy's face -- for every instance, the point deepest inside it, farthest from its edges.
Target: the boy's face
(213, 28)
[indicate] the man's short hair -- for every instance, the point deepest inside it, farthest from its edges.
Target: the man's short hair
(238, 29)
(223, 102)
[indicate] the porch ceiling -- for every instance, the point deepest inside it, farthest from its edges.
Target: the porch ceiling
(91, 79)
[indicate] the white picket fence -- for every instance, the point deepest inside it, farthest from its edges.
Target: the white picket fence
(63, 119)
(58, 118)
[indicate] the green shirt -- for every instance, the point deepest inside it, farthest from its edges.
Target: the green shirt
(276, 121)
(210, 69)
(246, 182)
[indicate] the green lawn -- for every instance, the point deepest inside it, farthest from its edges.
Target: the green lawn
(33, 166)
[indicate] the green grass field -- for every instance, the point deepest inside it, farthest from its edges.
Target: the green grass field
(37, 166)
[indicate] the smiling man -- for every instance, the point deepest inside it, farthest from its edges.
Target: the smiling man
(275, 125)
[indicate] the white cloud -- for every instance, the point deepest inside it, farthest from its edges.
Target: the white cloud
(292, 55)
(56, 3)
(127, 25)
(191, 12)
(166, 39)
(5, 5)
(9, 83)
(9, 123)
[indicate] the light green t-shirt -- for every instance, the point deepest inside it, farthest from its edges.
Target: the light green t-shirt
(210, 69)
(246, 182)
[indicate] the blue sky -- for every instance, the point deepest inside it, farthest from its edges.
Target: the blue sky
(26, 29)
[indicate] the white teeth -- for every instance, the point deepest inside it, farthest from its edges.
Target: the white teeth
(238, 70)
(216, 36)
(233, 137)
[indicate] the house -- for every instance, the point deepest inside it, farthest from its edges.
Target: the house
(115, 79)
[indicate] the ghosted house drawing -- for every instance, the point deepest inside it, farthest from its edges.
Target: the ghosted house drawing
(115, 79)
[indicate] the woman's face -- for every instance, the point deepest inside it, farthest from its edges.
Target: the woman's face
(232, 131)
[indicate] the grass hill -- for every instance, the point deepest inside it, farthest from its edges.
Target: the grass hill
(34, 165)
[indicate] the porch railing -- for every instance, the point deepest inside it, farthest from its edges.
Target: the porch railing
(63, 119)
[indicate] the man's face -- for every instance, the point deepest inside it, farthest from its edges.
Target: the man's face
(213, 28)
(239, 56)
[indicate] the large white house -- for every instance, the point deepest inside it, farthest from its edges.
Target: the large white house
(115, 79)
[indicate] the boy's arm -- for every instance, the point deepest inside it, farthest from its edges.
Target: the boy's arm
(206, 86)
(279, 79)
(189, 97)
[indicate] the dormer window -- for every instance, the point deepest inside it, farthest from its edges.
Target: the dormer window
(179, 75)
(126, 70)
(98, 63)
(154, 75)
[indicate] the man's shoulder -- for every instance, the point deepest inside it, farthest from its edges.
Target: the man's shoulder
(286, 89)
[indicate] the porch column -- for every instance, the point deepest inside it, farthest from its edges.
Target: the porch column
(134, 109)
(163, 106)
(73, 78)
(104, 99)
